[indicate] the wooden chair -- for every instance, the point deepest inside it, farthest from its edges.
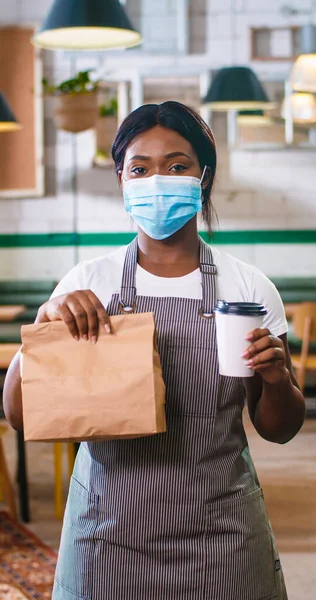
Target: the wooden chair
(5, 481)
(304, 327)
(58, 465)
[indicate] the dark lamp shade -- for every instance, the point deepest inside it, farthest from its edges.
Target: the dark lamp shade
(8, 121)
(86, 25)
(251, 113)
(236, 88)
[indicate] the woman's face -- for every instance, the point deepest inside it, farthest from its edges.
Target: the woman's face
(159, 151)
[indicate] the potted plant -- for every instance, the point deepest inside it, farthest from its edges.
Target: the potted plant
(76, 102)
(106, 128)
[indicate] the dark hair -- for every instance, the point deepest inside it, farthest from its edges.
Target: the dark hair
(185, 121)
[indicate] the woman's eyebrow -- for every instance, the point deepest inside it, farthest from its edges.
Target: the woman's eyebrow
(170, 155)
(175, 154)
(139, 157)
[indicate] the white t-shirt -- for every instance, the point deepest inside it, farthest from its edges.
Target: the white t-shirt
(236, 282)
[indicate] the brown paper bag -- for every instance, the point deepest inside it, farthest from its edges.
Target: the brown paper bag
(78, 391)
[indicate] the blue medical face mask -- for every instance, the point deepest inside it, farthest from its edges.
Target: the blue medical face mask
(162, 204)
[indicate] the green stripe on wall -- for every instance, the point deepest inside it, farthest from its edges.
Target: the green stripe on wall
(49, 240)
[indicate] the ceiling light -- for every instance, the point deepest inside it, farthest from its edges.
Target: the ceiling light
(253, 118)
(236, 88)
(303, 73)
(87, 25)
(8, 121)
(302, 107)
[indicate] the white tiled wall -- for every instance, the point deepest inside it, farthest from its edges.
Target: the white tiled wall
(159, 25)
(31, 11)
(254, 189)
(228, 23)
(36, 263)
(197, 26)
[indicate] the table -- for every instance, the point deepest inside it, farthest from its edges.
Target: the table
(7, 353)
(9, 313)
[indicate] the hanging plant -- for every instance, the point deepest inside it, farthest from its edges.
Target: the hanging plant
(76, 102)
(106, 129)
(110, 109)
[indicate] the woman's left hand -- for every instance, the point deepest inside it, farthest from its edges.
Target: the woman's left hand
(266, 355)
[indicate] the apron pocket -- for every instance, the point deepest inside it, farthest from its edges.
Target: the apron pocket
(74, 571)
(240, 563)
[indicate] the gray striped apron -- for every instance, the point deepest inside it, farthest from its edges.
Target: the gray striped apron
(178, 515)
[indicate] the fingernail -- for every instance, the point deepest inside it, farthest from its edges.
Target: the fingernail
(245, 354)
(85, 337)
(107, 328)
(249, 336)
(250, 363)
(93, 340)
(76, 338)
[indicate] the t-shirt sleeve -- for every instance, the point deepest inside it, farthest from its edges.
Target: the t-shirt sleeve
(72, 281)
(265, 292)
(87, 276)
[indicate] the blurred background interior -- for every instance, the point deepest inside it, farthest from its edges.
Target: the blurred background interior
(249, 67)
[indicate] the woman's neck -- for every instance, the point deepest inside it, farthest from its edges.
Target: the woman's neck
(176, 256)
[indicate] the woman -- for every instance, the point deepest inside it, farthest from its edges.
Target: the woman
(179, 515)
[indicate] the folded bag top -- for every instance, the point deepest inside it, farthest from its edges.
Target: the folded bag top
(83, 392)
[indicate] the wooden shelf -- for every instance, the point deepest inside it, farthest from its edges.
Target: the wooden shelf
(265, 40)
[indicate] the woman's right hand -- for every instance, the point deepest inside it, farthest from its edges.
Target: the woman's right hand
(82, 312)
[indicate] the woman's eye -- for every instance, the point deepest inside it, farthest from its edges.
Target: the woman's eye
(139, 170)
(178, 168)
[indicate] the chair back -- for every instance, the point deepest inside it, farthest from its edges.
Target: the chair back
(304, 321)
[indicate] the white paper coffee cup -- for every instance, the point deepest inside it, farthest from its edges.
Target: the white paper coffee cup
(234, 320)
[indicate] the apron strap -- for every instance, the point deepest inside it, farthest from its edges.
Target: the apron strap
(208, 274)
(128, 289)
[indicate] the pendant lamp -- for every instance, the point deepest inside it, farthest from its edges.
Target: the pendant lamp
(303, 107)
(253, 118)
(8, 121)
(86, 25)
(303, 73)
(236, 88)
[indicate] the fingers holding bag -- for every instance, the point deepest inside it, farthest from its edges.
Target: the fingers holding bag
(81, 311)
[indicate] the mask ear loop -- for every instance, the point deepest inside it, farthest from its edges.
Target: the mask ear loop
(203, 174)
(201, 182)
